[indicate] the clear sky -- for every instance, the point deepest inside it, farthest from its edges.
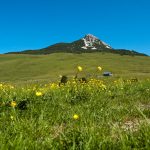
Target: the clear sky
(33, 24)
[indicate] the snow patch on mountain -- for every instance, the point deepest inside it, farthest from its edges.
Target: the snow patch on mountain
(91, 41)
(93, 48)
(85, 42)
(107, 46)
(84, 47)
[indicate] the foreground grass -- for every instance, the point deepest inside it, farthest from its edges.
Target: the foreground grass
(109, 115)
(45, 68)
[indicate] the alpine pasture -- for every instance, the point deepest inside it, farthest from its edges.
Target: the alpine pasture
(87, 111)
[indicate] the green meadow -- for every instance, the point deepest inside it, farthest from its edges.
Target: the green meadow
(22, 68)
(37, 112)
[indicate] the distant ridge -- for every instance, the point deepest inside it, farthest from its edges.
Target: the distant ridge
(88, 44)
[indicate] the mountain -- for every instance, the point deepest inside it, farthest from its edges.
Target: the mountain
(89, 43)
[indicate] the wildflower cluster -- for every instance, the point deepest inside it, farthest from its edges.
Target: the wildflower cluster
(68, 112)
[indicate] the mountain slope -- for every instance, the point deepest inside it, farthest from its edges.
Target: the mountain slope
(18, 67)
(87, 44)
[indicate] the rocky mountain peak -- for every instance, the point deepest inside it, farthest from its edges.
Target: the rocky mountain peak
(92, 42)
(90, 37)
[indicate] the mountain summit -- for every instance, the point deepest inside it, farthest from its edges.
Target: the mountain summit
(89, 43)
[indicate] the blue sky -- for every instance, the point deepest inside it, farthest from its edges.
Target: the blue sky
(33, 24)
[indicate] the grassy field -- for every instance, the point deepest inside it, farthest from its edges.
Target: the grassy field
(22, 68)
(101, 113)
(86, 116)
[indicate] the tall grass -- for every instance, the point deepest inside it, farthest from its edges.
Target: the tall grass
(111, 115)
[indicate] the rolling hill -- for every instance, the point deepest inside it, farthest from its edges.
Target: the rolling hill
(22, 68)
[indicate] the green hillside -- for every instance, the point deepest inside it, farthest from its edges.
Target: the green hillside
(87, 44)
(16, 68)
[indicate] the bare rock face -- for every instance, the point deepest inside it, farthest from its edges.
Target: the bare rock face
(91, 41)
(91, 38)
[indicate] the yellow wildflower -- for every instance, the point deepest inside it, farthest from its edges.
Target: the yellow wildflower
(60, 76)
(38, 93)
(11, 117)
(79, 68)
(99, 68)
(12, 87)
(13, 104)
(75, 117)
